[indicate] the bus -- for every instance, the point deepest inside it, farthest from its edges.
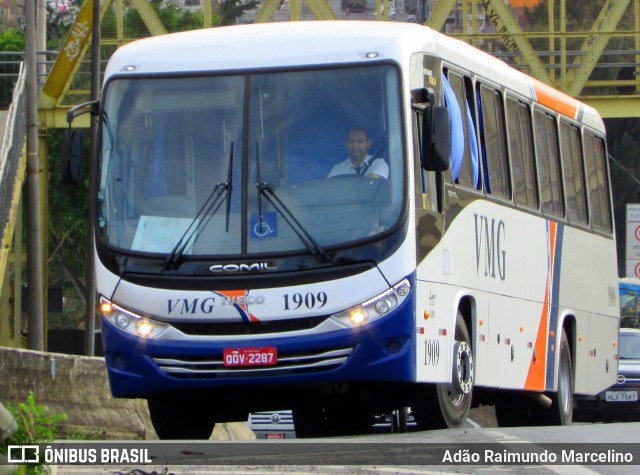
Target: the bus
(237, 273)
(629, 303)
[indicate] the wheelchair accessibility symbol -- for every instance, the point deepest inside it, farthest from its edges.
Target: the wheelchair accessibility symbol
(267, 227)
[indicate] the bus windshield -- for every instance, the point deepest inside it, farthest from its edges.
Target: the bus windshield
(251, 163)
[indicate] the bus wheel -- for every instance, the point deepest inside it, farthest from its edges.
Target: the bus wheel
(561, 410)
(454, 398)
(180, 418)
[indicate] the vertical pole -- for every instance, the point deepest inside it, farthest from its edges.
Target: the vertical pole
(17, 279)
(552, 40)
(636, 13)
(563, 45)
(35, 261)
(206, 12)
(120, 21)
(41, 39)
(90, 276)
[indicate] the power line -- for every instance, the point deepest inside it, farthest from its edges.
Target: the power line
(633, 177)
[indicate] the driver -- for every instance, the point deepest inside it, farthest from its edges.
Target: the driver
(359, 161)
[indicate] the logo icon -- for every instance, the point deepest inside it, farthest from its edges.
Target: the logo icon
(23, 454)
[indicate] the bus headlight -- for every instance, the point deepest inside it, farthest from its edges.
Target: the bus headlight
(131, 322)
(374, 308)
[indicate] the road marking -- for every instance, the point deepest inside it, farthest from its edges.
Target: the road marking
(559, 469)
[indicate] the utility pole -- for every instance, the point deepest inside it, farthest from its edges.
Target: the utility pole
(90, 275)
(35, 263)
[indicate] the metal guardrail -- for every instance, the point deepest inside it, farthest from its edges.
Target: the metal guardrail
(10, 152)
(10, 64)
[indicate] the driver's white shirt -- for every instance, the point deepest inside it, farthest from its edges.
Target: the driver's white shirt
(378, 167)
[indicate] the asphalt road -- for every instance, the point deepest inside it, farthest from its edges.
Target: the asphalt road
(578, 449)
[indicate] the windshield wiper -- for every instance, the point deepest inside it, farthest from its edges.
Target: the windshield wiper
(265, 189)
(208, 209)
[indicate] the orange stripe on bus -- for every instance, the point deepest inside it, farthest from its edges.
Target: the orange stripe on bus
(554, 99)
(536, 376)
(553, 226)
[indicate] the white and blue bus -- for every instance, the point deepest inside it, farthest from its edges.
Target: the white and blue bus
(237, 272)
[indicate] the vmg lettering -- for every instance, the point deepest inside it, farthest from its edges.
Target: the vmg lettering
(490, 242)
(190, 306)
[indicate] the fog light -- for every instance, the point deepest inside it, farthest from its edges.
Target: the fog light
(394, 346)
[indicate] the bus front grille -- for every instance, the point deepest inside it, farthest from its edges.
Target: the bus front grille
(190, 367)
(248, 328)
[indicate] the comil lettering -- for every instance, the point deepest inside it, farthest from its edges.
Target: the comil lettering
(255, 267)
(490, 246)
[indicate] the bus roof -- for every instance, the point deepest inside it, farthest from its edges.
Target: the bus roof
(289, 44)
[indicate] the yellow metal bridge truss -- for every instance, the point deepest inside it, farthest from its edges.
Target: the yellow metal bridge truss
(590, 50)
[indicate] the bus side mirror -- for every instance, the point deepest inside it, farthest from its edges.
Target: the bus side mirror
(436, 139)
(72, 156)
(72, 146)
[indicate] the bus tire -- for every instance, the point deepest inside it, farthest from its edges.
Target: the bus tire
(561, 410)
(179, 418)
(453, 399)
(518, 410)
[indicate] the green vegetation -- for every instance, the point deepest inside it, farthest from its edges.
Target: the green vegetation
(35, 426)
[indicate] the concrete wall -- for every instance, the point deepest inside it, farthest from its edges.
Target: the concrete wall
(78, 387)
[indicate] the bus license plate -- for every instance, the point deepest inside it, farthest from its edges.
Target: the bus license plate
(254, 356)
(621, 396)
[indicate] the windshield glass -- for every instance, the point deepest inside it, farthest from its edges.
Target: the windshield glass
(228, 165)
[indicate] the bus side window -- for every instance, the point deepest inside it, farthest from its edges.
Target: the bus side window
(546, 145)
(599, 210)
(464, 146)
(521, 153)
(573, 174)
(494, 157)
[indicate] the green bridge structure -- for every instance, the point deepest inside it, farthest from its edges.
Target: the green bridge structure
(589, 50)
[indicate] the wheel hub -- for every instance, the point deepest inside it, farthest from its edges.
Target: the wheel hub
(463, 368)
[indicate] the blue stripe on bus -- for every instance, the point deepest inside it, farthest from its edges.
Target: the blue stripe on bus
(553, 341)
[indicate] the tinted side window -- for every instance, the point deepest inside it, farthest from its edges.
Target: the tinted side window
(573, 174)
(493, 146)
(597, 183)
(468, 172)
(546, 145)
(521, 153)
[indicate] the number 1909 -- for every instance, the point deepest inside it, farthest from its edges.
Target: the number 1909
(308, 300)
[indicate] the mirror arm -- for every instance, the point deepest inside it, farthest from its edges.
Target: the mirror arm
(91, 107)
